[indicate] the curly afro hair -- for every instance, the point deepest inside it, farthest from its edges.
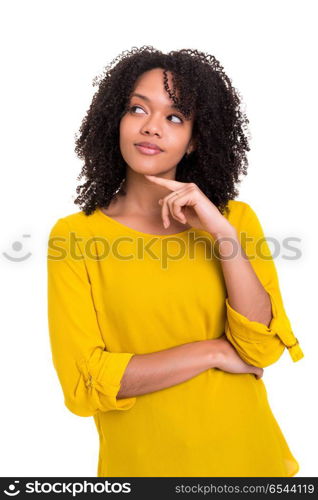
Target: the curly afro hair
(203, 89)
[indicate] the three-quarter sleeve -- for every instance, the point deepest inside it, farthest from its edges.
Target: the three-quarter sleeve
(256, 343)
(89, 375)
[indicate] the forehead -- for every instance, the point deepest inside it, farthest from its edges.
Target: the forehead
(151, 83)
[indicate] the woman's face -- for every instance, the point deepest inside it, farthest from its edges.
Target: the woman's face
(151, 118)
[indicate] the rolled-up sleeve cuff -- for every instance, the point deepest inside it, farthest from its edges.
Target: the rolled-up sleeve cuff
(102, 381)
(255, 332)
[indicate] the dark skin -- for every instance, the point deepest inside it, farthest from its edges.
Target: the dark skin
(153, 120)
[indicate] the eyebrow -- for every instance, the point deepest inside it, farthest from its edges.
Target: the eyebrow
(172, 106)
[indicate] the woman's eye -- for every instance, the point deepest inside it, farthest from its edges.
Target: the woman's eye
(180, 120)
(132, 108)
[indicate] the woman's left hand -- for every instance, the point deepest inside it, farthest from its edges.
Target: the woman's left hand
(188, 204)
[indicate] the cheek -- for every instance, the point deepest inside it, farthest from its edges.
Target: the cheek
(178, 141)
(122, 126)
(123, 132)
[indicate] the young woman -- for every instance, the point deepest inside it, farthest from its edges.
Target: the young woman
(164, 308)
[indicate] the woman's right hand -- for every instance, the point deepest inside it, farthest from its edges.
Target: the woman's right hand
(226, 358)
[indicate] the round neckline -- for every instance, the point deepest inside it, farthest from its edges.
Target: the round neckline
(127, 228)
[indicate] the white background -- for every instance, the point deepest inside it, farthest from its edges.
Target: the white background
(51, 51)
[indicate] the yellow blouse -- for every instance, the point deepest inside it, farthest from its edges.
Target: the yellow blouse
(114, 292)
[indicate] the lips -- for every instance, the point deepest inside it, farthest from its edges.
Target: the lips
(147, 148)
(148, 145)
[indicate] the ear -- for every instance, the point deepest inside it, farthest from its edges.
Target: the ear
(192, 146)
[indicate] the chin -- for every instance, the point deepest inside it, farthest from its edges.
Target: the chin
(145, 167)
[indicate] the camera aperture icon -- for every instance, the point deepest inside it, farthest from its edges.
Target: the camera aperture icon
(13, 492)
(17, 247)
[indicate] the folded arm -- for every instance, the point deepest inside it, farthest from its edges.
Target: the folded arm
(256, 321)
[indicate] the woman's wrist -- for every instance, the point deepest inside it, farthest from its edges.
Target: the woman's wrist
(212, 352)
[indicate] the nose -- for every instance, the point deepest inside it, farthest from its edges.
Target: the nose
(151, 127)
